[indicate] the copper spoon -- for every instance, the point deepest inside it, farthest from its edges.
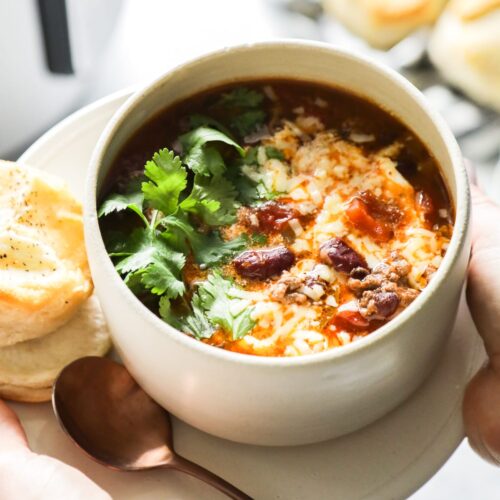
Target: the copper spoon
(105, 412)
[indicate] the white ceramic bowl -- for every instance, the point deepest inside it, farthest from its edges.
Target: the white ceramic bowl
(282, 401)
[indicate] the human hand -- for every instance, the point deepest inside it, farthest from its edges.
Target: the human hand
(27, 475)
(481, 406)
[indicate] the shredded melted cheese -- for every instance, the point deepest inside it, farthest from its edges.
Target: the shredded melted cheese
(319, 176)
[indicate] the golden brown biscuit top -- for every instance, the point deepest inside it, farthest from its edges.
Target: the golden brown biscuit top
(41, 237)
(396, 10)
(470, 10)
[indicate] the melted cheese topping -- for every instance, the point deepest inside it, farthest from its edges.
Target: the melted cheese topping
(319, 177)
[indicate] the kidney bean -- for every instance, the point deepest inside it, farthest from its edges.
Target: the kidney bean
(262, 264)
(341, 256)
(386, 304)
(273, 216)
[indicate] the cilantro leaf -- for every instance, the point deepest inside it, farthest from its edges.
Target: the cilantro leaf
(160, 266)
(250, 192)
(247, 192)
(132, 199)
(194, 323)
(247, 122)
(165, 310)
(264, 194)
(118, 202)
(212, 250)
(133, 281)
(274, 153)
(202, 135)
(214, 304)
(259, 239)
(241, 97)
(197, 323)
(205, 161)
(160, 279)
(208, 249)
(201, 157)
(246, 116)
(213, 199)
(218, 297)
(168, 178)
(251, 156)
(198, 120)
(179, 232)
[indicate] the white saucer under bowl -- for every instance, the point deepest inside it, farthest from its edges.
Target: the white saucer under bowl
(390, 459)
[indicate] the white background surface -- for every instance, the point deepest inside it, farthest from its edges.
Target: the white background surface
(154, 35)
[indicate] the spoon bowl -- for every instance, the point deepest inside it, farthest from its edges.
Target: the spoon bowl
(107, 414)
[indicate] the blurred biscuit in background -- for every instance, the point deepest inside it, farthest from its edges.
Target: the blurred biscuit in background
(383, 23)
(465, 47)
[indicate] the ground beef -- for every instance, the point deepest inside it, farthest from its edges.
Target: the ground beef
(298, 289)
(384, 290)
(286, 290)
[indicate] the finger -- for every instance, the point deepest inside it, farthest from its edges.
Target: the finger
(481, 411)
(481, 405)
(483, 286)
(12, 436)
(485, 222)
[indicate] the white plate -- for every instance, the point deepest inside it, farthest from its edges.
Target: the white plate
(389, 459)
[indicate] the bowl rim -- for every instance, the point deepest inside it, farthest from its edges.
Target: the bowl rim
(93, 236)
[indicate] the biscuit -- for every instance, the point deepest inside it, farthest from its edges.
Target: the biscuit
(383, 23)
(469, 10)
(35, 364)
(465, 48)
(44, 273)
(25, 394)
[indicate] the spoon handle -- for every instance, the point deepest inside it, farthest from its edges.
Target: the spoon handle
(183, 465)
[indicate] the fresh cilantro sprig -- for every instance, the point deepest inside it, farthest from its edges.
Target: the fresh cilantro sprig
(151, 257)
(218, 297)
(159, 265)
(215, 304)
(167, 179)
(195, 322)
(213, 200)
(132, 199)
(208, 249)
(202, 157)
(182, 202)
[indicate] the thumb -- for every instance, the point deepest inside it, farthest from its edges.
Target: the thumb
(483, 286)
(481, 406)
(12, 436)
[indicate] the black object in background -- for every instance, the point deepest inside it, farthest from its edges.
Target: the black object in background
(54, 22)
